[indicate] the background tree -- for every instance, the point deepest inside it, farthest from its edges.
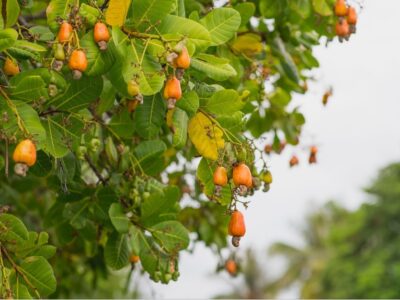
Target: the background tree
(349, 254)
(104, 92)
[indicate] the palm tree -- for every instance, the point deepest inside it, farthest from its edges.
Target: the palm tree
(305, 264)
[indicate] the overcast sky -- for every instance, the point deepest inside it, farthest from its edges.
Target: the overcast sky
(357, 134)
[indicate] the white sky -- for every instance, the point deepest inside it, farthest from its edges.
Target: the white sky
(357, 133)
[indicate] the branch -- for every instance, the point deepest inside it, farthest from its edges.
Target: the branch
(94, 169)
(105, 4)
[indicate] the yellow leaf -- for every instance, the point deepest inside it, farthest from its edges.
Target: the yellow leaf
(206, 136)
(249, 44)
(116, 12)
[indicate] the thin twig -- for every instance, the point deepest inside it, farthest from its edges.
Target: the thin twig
(94, 169)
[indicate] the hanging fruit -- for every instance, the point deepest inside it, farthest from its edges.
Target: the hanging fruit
(231, 267)
(342, 29)
(10, 67)
(77, 63)
(220, 179)
(65, 32)
(340, 8)
(24, 157)
(352, 19)
(313, 155)
(220, 176)
(242, 176)
(236, 227)
(313, 150)
(101, 35)
(267, 179)
(134, 259)
(312, 159)
(268, 149)
(132, 105)
(133, 88)
(59, 56)
(294, 161)
(172, 91)
(182, 61)
(326, 96)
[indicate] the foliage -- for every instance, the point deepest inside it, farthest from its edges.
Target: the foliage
(108, 182)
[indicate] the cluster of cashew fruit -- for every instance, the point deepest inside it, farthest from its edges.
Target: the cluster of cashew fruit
(180, 61)
(243, 181)
(347, 20)
(67, 40)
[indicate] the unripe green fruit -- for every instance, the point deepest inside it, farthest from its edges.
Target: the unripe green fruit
(267, 177)
(81, 152)
(59, 53)
(167, 278)
(157, 276)
(175, 275)
(95, 144)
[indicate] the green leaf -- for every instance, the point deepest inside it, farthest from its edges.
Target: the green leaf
(10, 12)
(132, 63)
(7, 38)
(246, 11)
(78, 95)
(29, 119)
(39, 273)
(30, 89)
(20, 291)
(142, 11)
(149, 117)
(322, 7)
(118, 218)
(148, 256)
(149, 156)
(272, 8)
(171, 235)
(225, 102)
(287, 62)
(160, 206)
(77, 213)
(57, 9)
(180, 122)
(42, 33)
(99, 62)
(205, 172)
(189, 103)
(279, 97)
(222, 24)
(104, 198)
(12, 229)
(210, 67)
(195, 32)
(116, 252)
(302, 7)
(54, 142)
(122, 124)
(90, 13)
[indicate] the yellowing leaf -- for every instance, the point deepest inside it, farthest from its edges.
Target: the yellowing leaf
(116, 12)
(206, 136)
(248, 44)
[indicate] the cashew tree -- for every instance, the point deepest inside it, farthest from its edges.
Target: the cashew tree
(131, 129)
